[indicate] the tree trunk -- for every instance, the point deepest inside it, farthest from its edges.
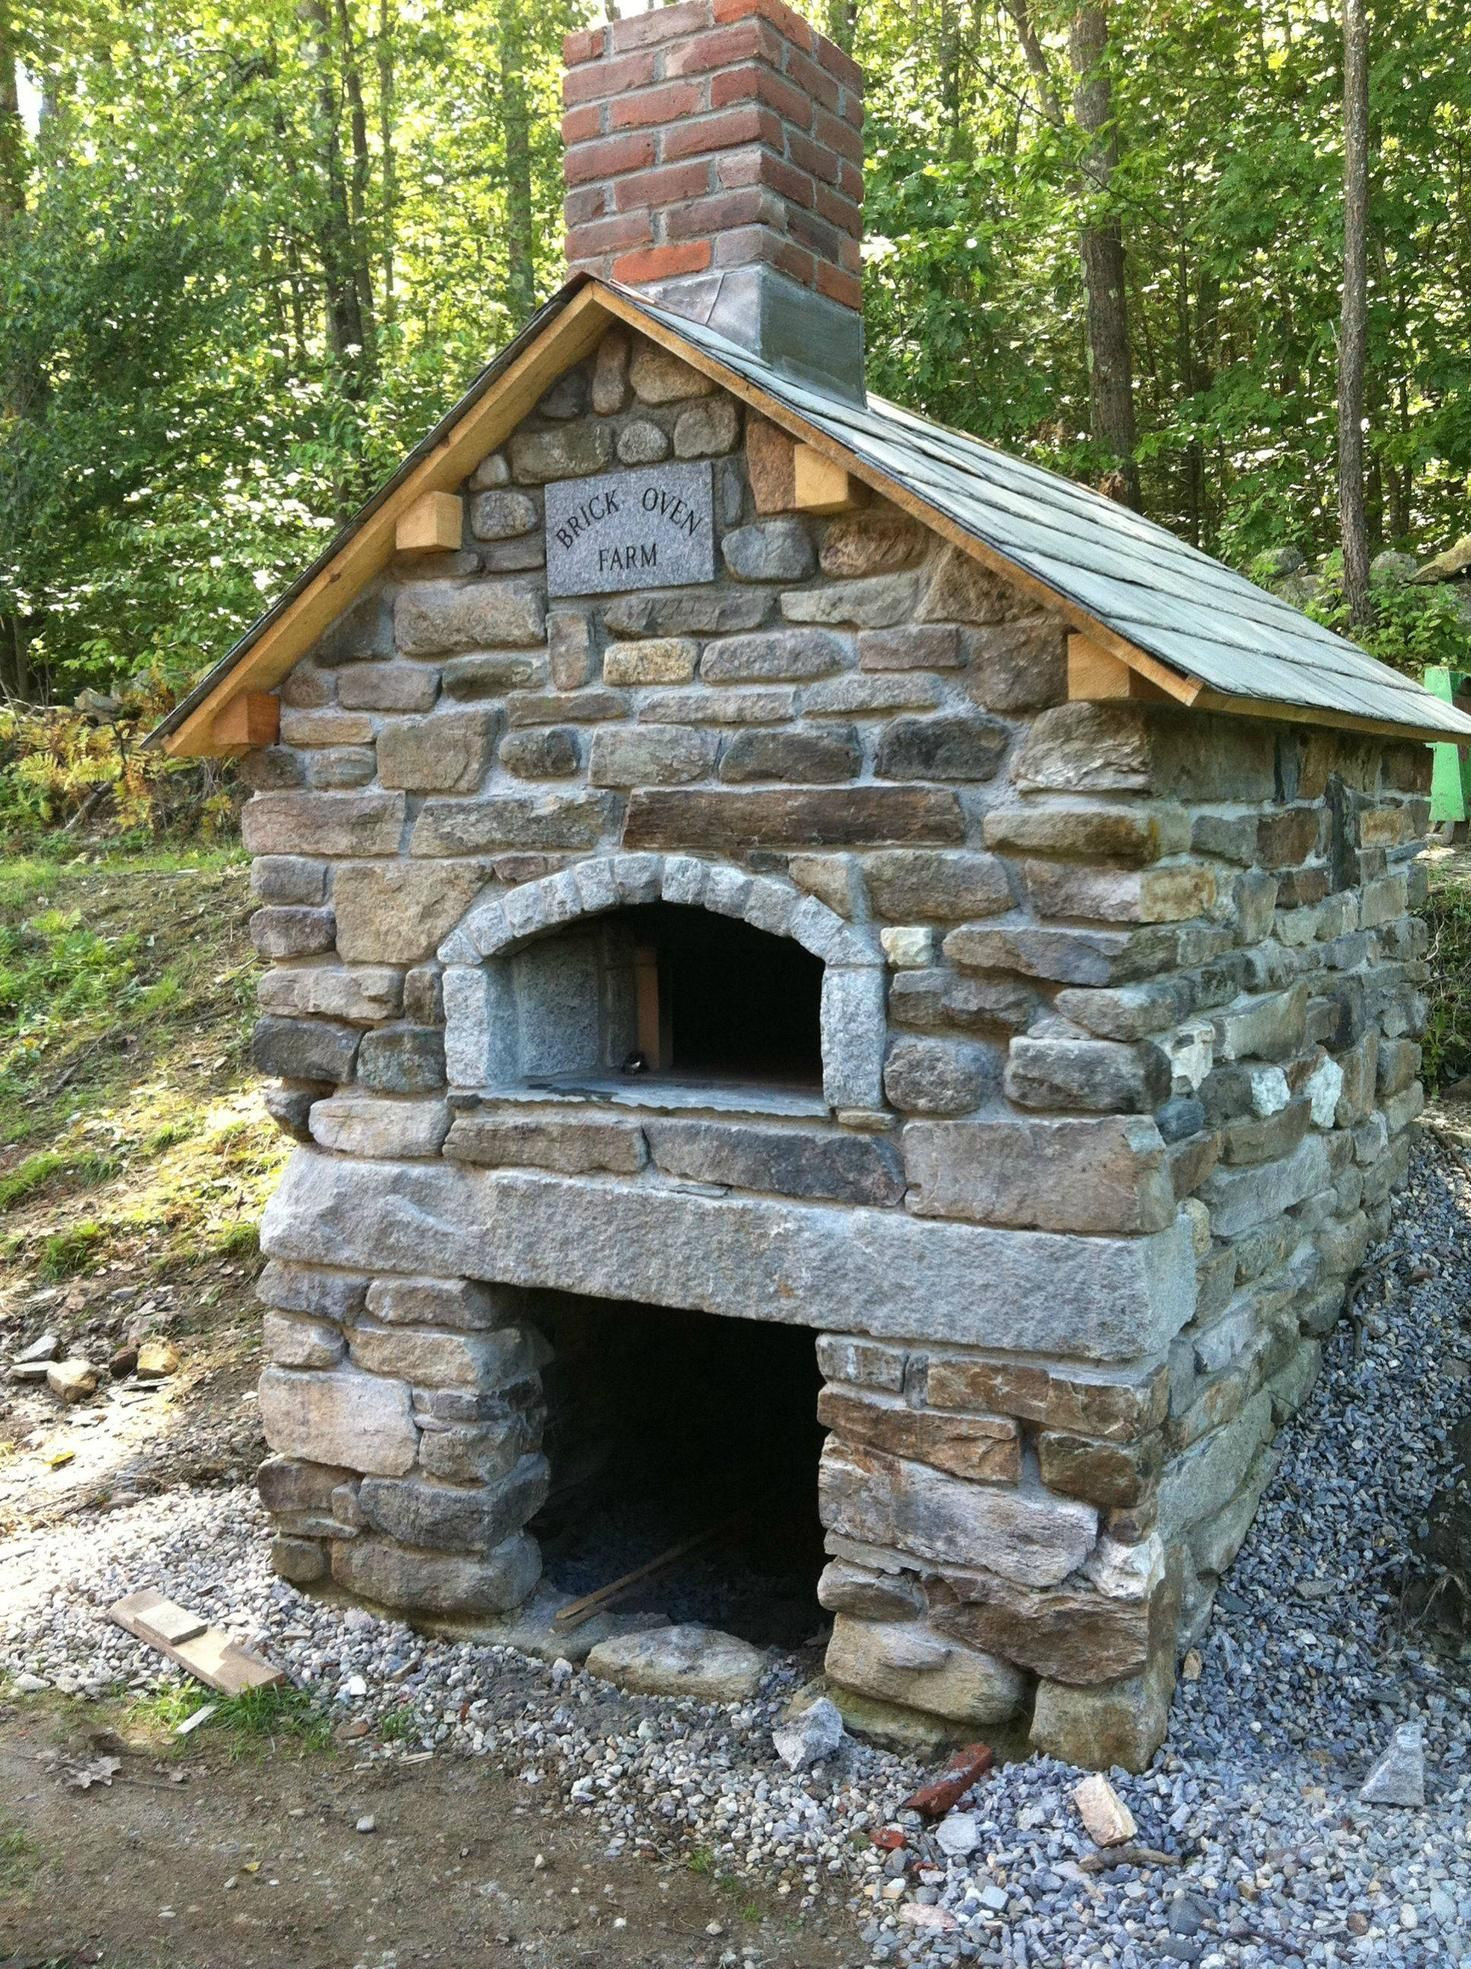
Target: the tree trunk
(388, 166)
(334, 220)
(520, 266)
(362, 264)
(1354, 319)
(1101, 248)
(12, 130)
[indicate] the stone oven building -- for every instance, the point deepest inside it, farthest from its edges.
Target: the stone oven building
(727, 844)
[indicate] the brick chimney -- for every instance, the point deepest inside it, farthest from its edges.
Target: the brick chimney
(714, 156)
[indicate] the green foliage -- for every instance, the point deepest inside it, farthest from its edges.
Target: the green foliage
(1409, 627)
(1447, 1040)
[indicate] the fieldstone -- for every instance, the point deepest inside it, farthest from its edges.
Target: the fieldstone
(446, 1359)
(609, 390)
(851, 1589)
(879, 1271)
(288, 879)
(72, 1380)
(489, 673)
(858, 695)
(711, 611)
(342, 766)
(545, 1142)
(482, 1453)
(357, 636)
(492, 470)
(1097, 1074)
(704, 706)
(402, 1059)
(292, 931)
(290, 1484)
(271, 768)
(1120, 1410)
(1239, 1199)
(811, 1737)
(571, 452)
(731, 821)
(1111, 1475)
(395, 912)
(1119, 895)
(1398, 1778)
(360, 995)
(1029, 1537)
(1016, 666)
(509, 821)
(354, 1125)
(441, 618)
(875, 601)
(643, 443)
(908, 946)
(343, 1416)
(473, 1518)
(662, 755)
(555, 753)
(1113, 1723)
(1251, 1138)
(906, 1661)
(658, 660)
(388, 687)
(695, 1662)
(879, 540)
(910, 885)
(301, 1560)
(805, 756)
(705, 430)
(325, 727)
(771, 550)
(910, 647)
(788, 1162)
(953, 747)
(1271, 1027)
(502, 515)
(569, 648)
(980, 1448)
(331, 824)
(294, 1342)
(659, 377)
(958, 589)
(774, 656)
(449, 752)
(377, 1569)
(307, 687)
(304, 1049)
(307, 1289)
(288, 1103)
(1103, 1174)
(463, 1304)
(938, 1076)
(1070, 1633)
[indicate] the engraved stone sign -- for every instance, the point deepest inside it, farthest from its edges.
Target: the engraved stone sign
(647, 529)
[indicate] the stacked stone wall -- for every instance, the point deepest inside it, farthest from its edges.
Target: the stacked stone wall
(1120, 1021)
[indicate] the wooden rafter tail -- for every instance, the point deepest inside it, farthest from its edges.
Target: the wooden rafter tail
(1095, 675)
(486, 424)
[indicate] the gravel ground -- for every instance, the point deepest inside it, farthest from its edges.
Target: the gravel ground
(1307, 1668)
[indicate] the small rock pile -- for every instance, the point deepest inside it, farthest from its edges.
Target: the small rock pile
(1252, 1843)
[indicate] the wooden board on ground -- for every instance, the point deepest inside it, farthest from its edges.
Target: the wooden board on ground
(204, 1651)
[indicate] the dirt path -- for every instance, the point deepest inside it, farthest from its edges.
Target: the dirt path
(257, 1864)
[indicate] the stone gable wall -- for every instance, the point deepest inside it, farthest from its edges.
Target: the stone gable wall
(1120, 1023)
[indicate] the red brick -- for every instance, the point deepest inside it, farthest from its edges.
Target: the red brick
(702, 218)
(839, 211)
(764, 167)
(837, 63)
(664, 104)
(585, 44)
(750, 124)
(815, 159)
(748, 245)
(663, 262)
(813, 81)
(666, 184)
(840, 136)
(748, 41)
(815, 234)
(840, 286)
(607, 78)
(751, 82)
(850, 108)
(582, 123)
(791, 25)
(613, 235)
(607, 157)
(660, 24)
(850, 254)
(586, 203)
(850, 180)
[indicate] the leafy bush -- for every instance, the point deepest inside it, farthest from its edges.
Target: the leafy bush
(1448, 1028)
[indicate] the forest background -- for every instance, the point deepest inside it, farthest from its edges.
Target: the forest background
(250, 251)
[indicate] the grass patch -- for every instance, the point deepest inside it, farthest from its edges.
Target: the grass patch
(50, 1169)
(247, 1725)
(65, 1253)
(18, 1857)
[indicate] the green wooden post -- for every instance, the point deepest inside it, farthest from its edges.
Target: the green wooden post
(1449, 785)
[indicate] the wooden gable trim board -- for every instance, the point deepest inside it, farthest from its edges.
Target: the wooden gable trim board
(571, 335)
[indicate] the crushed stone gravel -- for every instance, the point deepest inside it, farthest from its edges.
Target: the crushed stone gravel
(1270, 1859)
